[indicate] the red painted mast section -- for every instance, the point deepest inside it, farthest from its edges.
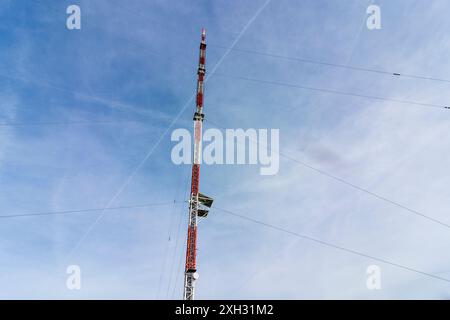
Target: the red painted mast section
(191, 248)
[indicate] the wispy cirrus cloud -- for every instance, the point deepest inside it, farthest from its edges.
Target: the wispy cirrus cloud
(139, 61)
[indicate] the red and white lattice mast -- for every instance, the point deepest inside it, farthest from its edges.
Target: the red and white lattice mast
(198, 203)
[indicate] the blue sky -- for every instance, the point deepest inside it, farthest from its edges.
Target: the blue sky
(121, 80)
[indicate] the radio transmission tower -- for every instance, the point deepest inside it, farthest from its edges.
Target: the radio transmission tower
(198, 203)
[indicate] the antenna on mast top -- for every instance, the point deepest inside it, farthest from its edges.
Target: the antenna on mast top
(203, 34)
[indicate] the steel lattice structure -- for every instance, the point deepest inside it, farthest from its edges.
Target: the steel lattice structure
(197, 200)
